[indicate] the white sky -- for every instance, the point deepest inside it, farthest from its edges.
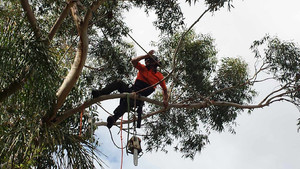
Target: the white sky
(266, 139)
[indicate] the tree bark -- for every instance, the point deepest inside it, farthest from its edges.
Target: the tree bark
(197, 105)
(80, 58)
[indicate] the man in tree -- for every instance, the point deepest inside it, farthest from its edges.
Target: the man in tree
(147, 79)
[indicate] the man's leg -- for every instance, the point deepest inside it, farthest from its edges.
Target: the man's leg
(118, 112)
(116, 85)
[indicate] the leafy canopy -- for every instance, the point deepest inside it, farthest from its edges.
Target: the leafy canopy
(39, 55)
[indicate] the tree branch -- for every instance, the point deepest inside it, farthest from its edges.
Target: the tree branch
(177, 48)
(132, 120)
(31, 18)
(80, 57)
(197, 105)
(90, 102)
(59, 21)
(269, 95)
(77, 19)
(90, 11)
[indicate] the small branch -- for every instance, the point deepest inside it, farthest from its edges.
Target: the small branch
(90, 11)
(59, 21)
(276, 91)
(31, 18)
(224, 103)
(93, 68)
(263, 80)
(279, 96)
(249, 81)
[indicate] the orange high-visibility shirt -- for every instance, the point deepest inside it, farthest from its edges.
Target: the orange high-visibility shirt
(149, 76)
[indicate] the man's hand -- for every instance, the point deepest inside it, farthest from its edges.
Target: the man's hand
(135, 60)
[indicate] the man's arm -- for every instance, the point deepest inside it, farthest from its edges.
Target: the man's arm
(136, 60)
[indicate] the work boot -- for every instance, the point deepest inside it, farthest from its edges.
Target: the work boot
(110, 121)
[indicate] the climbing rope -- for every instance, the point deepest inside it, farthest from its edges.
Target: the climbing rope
(121, 143)
(114, 140)
(80, 123)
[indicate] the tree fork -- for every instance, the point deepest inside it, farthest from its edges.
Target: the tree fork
(79, 61)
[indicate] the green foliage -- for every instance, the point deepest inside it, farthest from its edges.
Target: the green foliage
(22, 56)
(281, 58)
(195, 63)
(216, 4)
(169, 14)
(32, 70)
(25, 141)
(197, 79)
(112, 60)
(233, 76)
(230, 85)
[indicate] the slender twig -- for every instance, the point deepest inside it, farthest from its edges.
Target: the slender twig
(93, 68)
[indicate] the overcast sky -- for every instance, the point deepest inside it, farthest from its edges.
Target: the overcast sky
(266, 139)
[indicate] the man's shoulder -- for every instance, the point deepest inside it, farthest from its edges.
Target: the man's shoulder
(140, 66)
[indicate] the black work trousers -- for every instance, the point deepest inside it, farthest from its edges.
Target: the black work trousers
(123, 87)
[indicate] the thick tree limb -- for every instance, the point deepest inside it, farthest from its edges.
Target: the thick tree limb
(197, 105)
(80, 57)
(88, 103)
(31, 18)
(90, 11)
(132, 120)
